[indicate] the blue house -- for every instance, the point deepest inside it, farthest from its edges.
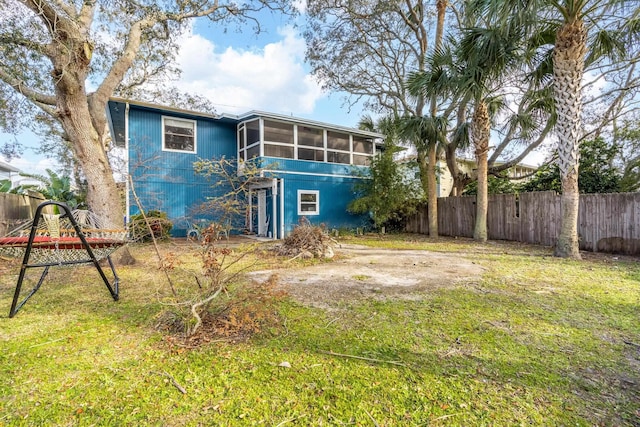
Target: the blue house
(307, 168)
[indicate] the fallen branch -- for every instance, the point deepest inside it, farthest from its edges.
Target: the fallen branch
(375, 423)
(369, 359)
(173, 381)
(444, 417)
(48, 342)
(631, 344)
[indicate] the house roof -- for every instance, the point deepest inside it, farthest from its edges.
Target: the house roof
(6, 167)
(117, 107)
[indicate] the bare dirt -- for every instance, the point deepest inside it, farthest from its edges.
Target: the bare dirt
(362, 272)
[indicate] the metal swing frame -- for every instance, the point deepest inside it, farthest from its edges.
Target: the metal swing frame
(83, 243)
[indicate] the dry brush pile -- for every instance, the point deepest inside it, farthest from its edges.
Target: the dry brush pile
(307, 241)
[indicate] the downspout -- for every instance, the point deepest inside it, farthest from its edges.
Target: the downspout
(274, 208)
(250, 212)
(126, 163)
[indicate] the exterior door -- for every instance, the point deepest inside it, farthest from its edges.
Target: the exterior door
(263, 221)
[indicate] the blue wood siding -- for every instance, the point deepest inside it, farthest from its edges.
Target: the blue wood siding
(336, 186)
(166, 180)
(335, 194)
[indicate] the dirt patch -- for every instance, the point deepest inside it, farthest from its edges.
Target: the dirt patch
(363, 272)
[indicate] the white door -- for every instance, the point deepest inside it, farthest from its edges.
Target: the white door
(263, 222)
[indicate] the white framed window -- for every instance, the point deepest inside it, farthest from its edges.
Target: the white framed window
(179, 135)
(308, 202)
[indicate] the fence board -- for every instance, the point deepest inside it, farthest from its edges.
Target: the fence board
(606, 222)
(15, 208)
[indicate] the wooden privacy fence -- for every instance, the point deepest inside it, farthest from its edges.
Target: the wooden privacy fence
(15, 209)
(606, 222)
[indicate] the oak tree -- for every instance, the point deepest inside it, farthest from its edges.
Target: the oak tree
(61, 61)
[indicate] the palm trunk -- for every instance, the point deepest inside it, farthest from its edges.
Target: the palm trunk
(432, 189)
(432, 181)
(568, 70)
(480, 129)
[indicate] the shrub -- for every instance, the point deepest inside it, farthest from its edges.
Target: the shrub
(158, 222)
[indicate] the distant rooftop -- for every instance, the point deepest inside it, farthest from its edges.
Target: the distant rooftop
(6, 167)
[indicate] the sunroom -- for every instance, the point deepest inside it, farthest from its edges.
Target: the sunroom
(308, 170)
(272, 136)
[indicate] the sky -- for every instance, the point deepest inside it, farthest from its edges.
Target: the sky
(239, 71)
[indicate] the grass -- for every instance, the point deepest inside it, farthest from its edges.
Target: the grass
(536, 341)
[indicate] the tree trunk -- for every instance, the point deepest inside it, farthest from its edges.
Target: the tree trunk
(480, 129)
(432, 196)
(102, 193)
(568, 70)
(432, 180)
(423, 166)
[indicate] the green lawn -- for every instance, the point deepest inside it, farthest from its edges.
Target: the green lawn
(536, 341)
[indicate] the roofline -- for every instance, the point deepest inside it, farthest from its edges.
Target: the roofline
(249, 115)
(310, 122)
(165, 108)
(7, 167)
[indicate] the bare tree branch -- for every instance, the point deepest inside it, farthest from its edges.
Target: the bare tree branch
(21, 87)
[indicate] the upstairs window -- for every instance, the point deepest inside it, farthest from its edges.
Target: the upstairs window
(178, 135)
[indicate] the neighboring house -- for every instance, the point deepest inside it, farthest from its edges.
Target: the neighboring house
(308, 168)
(9, 172)
(521, 172)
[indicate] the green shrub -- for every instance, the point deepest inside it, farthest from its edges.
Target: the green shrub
(158, 222)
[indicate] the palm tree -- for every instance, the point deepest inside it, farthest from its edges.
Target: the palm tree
(471, 68)
(487, 54)
(428, 134)
(53, 187)
(571, 45)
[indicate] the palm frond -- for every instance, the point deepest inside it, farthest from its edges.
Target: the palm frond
(461, 136)
(607, 44)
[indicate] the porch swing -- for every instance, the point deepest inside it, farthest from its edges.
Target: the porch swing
(67, 238)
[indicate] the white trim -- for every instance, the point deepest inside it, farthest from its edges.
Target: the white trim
(329, 175)
(127, 199)
(281, 236)
(317, 202)
(261, 135)
(274, 208)
(350, 149)
(195, 134)
(295, 142)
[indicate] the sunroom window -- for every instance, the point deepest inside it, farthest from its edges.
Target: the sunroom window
(310, 154)
(278, 132)
(310, 137)
(337, 157)
(178, 135)
(337, 141)
(362, 145)
(278, 151)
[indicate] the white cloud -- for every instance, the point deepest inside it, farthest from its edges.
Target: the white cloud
(33, 164)
(272, 78)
